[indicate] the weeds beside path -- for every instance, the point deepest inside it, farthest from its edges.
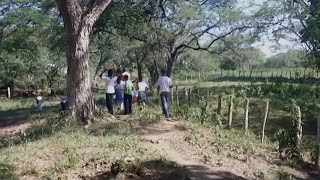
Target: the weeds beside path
(160, 137)
(139, 147)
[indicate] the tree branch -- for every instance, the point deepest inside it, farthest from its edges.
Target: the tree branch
(94, 10)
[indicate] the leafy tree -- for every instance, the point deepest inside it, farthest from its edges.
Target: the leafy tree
(29, 46)
(311, 30)
(290, 59)
(78, 21)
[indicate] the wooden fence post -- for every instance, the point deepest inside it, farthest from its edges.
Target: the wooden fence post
(186, 94)
(264, 121)
(318, 143)
(199, 77)
(9, 92)
(261, 74)
(177, 94)
(230, 111)
(290, 74)
(186, 78)
(172, 97)
(189, 97)
(220, 105)
(246, 115)
(297, 125)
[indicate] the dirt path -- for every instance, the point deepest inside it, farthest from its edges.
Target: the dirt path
(159, 137)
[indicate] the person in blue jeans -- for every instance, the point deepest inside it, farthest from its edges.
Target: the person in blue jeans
(119, 93)
(128, 89)
(164, 86)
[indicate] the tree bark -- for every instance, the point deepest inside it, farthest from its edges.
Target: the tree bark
(171, 64)
(139, 68)
(78, 22)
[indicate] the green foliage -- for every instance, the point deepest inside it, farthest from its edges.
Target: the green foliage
(6, 172)
(118, 167)
(30, 54)
(199, 114)
(290, 59)
(311, 31)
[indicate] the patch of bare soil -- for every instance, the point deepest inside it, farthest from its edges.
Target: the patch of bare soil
(159, 137)
(162, 137)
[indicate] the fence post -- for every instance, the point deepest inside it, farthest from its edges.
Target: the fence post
(177, 94)
(310, 74)
(199, 77)
(172, 97)
(264, 121)
(186, 94)
(246, 115)
(230, 111)
(186, 78)
(220, 105)
(297, 125)
(261, 74)
(290, 74)
(189, 97)
(318, 143)
(9, 92)
(221, 74)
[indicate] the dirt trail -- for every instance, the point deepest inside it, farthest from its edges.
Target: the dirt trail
(159, 137)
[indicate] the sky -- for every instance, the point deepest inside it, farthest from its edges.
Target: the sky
(266, 44)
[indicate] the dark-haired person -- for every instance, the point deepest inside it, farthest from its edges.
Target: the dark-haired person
(128, 89)
(164, 86)
(119, 93)
(142, 93)
(109, 89)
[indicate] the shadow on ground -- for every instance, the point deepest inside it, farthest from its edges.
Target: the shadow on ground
(22, 115)
(164, 170)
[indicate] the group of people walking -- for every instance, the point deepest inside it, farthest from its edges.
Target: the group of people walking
(123, 89)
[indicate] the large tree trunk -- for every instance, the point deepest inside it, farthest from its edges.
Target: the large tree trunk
(78, 78)
(78, 22)
(171, 64)
(139, 68)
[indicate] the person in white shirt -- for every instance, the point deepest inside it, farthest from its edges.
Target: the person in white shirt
(109, 89)
(142, 88)
(164, 86)
(119, 88)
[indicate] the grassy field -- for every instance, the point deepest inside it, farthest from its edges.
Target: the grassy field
(54, 146)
